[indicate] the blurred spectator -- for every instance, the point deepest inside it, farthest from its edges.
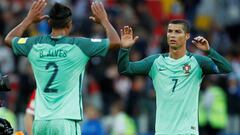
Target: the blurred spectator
(219, 39)
(212, 110)
(204, 15)
(26, 85)
(190, 7)
(2, 22)
(7, 114)
(122, 124)
(92, 124)
(6, 59)
(93, 94)
(234, 94)
(145, 19)
(122, 87)
(136, 104)
(107, 85)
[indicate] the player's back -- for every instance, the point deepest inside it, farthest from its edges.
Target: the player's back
(58, 64)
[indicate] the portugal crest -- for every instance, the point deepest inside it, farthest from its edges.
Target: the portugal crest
(186, 68)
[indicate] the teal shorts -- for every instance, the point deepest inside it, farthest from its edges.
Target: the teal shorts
(56, 127)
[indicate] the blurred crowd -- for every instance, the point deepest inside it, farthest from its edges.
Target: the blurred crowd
(120, 105)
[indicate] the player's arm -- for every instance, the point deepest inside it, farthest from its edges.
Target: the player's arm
(34, 16)
(223, 65)
(100, 16)
(28, 122)
(126, 67)
(216, 64)
(141, 67)
(29, 114)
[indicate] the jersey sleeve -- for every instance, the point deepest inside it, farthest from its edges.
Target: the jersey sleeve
(141, 67)
(214, 63)
(93, 47)
(22, 46)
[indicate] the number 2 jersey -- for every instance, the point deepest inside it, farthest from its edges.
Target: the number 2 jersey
(58, 65)
(177, 84)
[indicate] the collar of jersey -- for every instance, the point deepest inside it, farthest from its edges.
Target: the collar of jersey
(57, 37)
(179, 59)
(174, 63)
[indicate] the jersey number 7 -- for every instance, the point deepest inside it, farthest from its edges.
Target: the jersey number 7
(175, 83)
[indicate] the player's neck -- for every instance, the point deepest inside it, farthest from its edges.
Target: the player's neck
(177, 53)
(58, 32)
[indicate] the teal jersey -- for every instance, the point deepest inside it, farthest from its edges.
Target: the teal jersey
(58, 65)
(177, 84)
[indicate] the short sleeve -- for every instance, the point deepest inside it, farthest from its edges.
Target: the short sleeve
(93, 47)
(22, 46)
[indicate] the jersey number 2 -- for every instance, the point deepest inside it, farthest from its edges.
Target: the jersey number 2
(49, 83)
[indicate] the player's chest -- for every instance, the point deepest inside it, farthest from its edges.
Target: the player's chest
(184, 69)
(173, 79)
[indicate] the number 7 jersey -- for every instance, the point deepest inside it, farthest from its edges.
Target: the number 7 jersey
(177, 84)
(58, 65)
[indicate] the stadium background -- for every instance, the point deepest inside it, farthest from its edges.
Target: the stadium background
(217, 20)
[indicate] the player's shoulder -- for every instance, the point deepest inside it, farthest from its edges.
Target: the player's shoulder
(197, 56)
(200, 58)
(158, 57)
(76, 40)
(39, 39)
(88, 40)
(31, 40)
(164, 55)
(152, 58)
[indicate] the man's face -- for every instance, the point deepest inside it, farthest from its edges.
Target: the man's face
(176, 36)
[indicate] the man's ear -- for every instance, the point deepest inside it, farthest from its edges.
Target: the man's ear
(69, 25)
(187, 36)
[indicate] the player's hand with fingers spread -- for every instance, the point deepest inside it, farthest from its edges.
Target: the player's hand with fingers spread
(127, 39)
(99, 12)
(35, 13)
(201, 43)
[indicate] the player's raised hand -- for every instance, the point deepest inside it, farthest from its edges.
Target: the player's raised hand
(127, 39)
(35, 13)
(99, 12)
(201, 43)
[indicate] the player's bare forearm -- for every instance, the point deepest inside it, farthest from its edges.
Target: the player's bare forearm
(100, 16)
(34, 16)
(17, 31)
(28, 121)
(111, 34)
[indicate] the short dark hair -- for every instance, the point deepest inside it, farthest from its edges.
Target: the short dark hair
(59, 16)
(185, 23)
